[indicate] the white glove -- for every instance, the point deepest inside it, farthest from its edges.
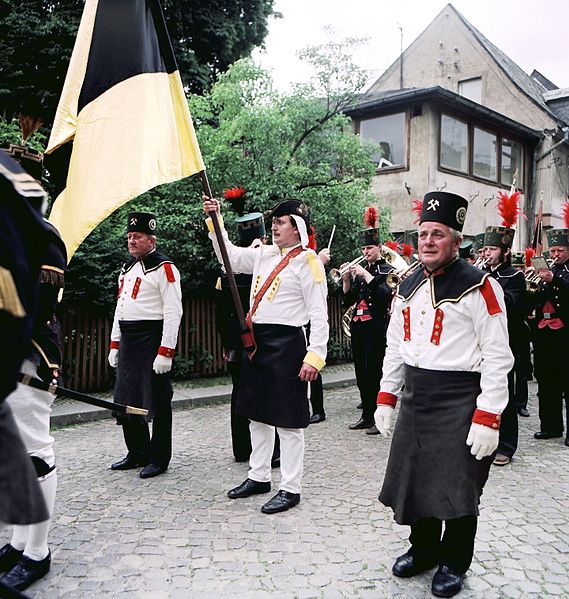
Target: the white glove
(162, 364)
(484, 440)
(383, 417)
(113, 358)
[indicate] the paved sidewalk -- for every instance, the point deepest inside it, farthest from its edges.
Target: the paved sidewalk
(179, 536)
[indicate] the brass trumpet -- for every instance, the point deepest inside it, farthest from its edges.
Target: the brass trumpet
(336, 274)
(393, 279)
(533, 280)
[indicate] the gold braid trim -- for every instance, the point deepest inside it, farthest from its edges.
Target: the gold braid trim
(9, 298)
(52, 275)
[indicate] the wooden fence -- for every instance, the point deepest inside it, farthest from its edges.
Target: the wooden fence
(86, 339)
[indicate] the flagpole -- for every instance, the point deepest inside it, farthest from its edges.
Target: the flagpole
(246, 337)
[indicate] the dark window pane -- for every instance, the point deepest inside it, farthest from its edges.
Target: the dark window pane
(454, 144)
(389, 133)
(485, 145)
(512, 162)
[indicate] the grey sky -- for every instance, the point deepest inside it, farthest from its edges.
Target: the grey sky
(532, 33)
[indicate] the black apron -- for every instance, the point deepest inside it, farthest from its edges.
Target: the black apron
(430, 471)
(21, 499)
(269, 389)
(137, 384)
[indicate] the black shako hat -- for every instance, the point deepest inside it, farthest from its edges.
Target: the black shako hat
(557, 237)
(250, 227)
(444, 207)
(141, 222)
(466, 249)
(500, 237)
(478, 241)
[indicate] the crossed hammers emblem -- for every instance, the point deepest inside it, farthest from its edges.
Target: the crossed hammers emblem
(433, 204)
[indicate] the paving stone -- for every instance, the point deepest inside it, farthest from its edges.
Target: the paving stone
(179, 536)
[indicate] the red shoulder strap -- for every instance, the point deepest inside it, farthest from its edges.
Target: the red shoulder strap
(490, 298)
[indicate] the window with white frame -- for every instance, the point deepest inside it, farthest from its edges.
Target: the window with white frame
(390, 134)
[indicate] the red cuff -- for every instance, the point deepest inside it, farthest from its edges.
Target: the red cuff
(115, 344)
(166, 351)
(486, 418)
(386, 399)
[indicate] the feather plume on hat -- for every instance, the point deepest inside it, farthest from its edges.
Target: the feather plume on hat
(407, 250)
(509, 208)
(311, 238)
(565, 210)
(371, 217)
(236, 197)
(529, 254)
(417, 209)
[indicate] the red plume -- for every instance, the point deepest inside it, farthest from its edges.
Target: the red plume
(530, 253)
(370, 217)
(417, 209)
(236, 195)
(408, 250)
(392, 245)
(566, 214)
(509, 208)
(312, 238)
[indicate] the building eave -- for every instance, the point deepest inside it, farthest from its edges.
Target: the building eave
(366, 107)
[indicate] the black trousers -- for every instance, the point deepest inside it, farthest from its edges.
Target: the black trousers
(508, 442)
(456, 547)
(522, 370)
(240, 435)
(550, 360)
(368, 351)
(156, 449)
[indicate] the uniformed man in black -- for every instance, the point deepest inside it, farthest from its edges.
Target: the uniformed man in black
(27, 557)
(552, 337)
(365, 288)
(497, 251)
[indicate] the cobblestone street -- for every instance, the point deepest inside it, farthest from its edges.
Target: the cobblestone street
(178, 535)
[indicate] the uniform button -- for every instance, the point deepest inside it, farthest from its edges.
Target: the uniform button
(494, 425)
(421, 322)
(423, 312)
(420, 332)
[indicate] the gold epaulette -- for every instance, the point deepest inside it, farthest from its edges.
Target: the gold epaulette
(315, 266)
(9, 298)
(51, 275)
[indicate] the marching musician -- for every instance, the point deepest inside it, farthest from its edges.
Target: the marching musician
(552, 336)
(289, 290)
(27, 557)
(498, 253)
(448, 357)
(143, 341)
(365, 288)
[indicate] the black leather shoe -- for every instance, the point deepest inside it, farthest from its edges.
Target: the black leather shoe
(129, 463)
(276, 462)
(359, 406)
(566, 441)
(152, 470)
(281, 502)
(26, 572)
(523, 412)
(249, 487)
(361, 424)
(373, 431)
(316, 418)
(407, 565)
(446, 582)
(9, 557)
(546, 435)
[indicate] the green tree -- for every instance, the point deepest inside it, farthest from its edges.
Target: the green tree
(277, 146)
(37, 39)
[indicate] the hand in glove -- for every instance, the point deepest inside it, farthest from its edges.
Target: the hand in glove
(162, 364)
(383, 417)
(483, 439)
(113, 358)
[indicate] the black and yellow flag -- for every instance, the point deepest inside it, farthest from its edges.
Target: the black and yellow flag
(124, 111)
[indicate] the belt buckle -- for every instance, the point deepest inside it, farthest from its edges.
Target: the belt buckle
(547, 315)
(359, 312)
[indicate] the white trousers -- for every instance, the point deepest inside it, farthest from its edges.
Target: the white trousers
(32, 410)
(292, 455)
